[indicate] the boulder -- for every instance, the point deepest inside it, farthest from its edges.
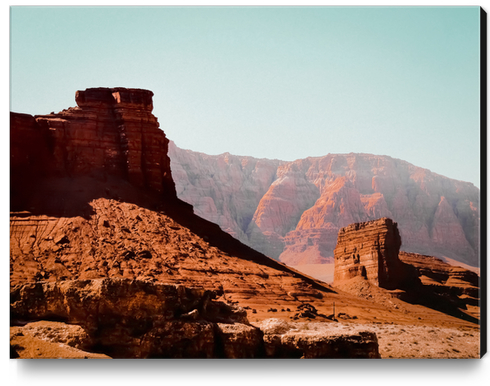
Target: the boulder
(298, 340)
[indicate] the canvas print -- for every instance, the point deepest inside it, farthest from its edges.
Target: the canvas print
(246, 182)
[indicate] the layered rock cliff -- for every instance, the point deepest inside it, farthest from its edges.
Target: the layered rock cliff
(296, 218)
(110, 134)
(224, 189)
(370, 250)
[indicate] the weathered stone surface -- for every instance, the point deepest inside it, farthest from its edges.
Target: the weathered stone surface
(369, 249)
(285, 340)
(130, 318)
(239, 340)
(56, 332)
(346, 346)
(49, 340)
(137, 319)
(297, 216)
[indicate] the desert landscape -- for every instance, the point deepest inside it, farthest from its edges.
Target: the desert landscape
(108, 260)
(293, 211)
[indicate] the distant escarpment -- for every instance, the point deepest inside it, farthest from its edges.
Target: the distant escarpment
(293, 211)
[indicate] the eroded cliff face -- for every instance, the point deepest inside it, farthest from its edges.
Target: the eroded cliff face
(140, 319)
(297, 218)
(110, 134)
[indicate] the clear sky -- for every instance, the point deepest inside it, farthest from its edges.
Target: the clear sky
(283, 83)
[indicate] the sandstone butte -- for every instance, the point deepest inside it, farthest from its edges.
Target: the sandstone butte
(370, 251)
(293, 211)
(95, 215)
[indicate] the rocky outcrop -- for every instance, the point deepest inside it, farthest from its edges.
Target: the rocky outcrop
(48, 339)
(124, 240)
(139, 319)
(136, 319)
(314, 345)
(370, 249)
(297, 216)
(445, 279)
(111, 133)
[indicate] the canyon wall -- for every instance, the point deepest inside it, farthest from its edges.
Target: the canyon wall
(299, 207)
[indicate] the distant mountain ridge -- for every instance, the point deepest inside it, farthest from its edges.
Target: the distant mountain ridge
(292, 211)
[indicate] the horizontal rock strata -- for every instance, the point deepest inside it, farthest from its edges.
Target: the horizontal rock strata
(445, 279)
(111, 132)
(369, 249)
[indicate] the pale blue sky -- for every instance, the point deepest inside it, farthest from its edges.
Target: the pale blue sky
(283, 83)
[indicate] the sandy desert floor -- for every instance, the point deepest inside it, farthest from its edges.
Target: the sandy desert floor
(426, 342)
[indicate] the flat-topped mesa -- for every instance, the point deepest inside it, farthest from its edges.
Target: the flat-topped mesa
(111, 132)
(117, 97)
(369, 249)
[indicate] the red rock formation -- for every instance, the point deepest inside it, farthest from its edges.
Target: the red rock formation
(120, 218)
(299, 214)
(79, 223)
(141, 319)
(447, 231)
(314, 344)
(111, 132)
(369, 249)
(280, 208)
